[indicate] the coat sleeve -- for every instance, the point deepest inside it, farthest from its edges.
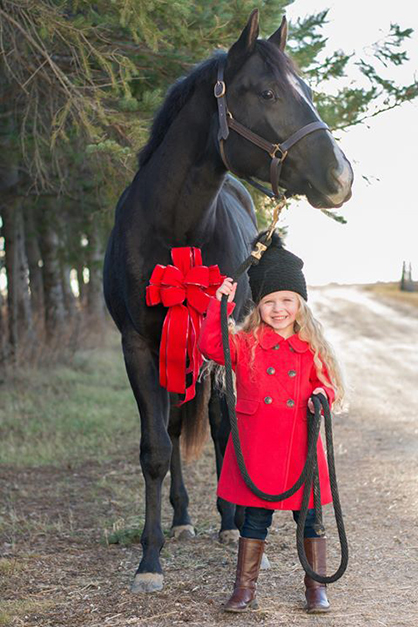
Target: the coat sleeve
(210, 339)
(317, 383)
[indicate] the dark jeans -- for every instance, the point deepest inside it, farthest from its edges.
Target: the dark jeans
(258, 520)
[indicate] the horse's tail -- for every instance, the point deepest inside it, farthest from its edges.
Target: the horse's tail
(195, 421)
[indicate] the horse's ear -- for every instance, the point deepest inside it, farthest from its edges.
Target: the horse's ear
(279, 38)
(245, 45)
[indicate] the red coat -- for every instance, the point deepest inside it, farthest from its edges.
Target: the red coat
(272, 397)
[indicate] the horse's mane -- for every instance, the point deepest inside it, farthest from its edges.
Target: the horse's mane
(176, 98)
(178, 94)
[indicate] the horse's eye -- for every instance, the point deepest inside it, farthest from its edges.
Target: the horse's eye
(268, 94)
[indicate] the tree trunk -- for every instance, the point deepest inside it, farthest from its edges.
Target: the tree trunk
(10, 246)
(55, 313)
(95, 299)
(33, 253)
(25, 320)
(9, 178)
(4, 344)
(21, 328)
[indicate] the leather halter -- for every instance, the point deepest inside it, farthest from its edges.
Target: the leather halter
(277, 152)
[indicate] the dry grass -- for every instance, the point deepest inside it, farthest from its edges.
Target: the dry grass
(17, 612)
(38, 350)
(8, 567)
(69, 410)
(392, 292)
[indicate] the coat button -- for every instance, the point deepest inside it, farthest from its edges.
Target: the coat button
(268, 400)
(292, 373)
(292, 350)
(271, 370)
(290, 402)
(276, 347)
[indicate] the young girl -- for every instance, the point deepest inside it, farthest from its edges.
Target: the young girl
(280, 359)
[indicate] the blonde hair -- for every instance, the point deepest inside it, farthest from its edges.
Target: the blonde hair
(309, 330)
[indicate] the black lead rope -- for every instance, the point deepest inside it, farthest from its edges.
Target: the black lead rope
(314, 423)
(309, 475)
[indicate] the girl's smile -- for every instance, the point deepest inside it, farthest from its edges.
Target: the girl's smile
(279, 310)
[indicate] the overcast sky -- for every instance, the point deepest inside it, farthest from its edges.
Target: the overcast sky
(382, 228)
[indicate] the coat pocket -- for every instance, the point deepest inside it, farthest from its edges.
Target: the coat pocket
(245, 406)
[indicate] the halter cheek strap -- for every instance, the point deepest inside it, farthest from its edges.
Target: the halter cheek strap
(277, 152)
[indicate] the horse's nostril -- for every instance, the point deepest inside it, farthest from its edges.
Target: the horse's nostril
(340, 176)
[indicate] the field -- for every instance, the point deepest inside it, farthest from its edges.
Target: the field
(72, 493)
(391, 292)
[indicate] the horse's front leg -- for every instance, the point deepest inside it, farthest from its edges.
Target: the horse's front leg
(155, 453)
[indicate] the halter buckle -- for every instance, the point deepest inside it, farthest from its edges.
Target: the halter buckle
(220, 89)
(259, 250)
(276, 148)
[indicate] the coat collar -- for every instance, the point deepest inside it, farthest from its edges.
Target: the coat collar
(269, 338)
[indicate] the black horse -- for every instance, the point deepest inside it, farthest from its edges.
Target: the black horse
(182, 195)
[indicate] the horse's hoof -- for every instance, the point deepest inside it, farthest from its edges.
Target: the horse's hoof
(229, 536)
(265, 564)
(182, 532)
(147, 582)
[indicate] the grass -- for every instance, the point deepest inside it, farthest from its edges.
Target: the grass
(9, 567)
(68, 413)
(125, 537)
(18, 610)
(392, 291)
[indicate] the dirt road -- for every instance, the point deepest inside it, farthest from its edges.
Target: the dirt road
(65, 573)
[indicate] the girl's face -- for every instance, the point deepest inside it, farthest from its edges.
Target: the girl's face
(279, 310)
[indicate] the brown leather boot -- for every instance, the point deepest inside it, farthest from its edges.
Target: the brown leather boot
(316, 595)
(250, 552)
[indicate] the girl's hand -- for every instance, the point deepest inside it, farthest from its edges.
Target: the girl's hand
(228, 287)
(310, 403)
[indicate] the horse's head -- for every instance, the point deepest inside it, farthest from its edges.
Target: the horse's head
(266, 95)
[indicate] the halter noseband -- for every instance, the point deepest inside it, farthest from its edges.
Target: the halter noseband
(277, 152)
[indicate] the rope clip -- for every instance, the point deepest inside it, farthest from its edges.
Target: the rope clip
(319, 529)
(259, 250)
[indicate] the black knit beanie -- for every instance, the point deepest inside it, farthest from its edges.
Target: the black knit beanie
(278, 269)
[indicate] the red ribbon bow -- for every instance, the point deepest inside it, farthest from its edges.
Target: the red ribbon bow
(186, 281)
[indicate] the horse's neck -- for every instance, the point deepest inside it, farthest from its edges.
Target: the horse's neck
(186, 176)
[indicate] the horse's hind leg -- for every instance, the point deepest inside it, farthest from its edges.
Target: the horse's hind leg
(182, 527)
(231, 516)
(155, 453)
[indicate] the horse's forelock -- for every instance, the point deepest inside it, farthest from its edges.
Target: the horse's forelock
(277, 62)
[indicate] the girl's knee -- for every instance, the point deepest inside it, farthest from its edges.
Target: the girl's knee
(309, 529)
(256, 523)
